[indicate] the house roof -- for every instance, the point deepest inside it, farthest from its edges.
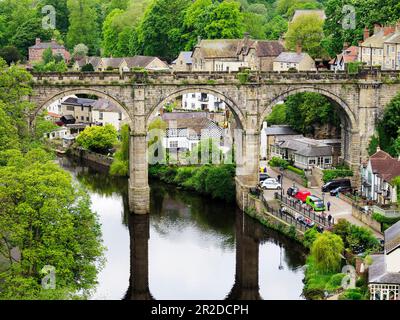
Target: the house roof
(394, 38)
(232, 48)
(186, 57)
(139, 61)
(320, 13)
(385, 166)
(392, 238)
(377, 39)
(291, 57)
(112, 62)
(377, 271)
(279, 130)
(184, 115)
(195, 124)
(46, 45)
(105, 105)
(306, 147)
(79, 102)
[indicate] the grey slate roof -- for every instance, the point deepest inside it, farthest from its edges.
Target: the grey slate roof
(392, 237)
(290, 57)
(186, 57)
(139, 61)
(279, 130)
(377, 272)
(306, 147)
(79, 102)
(105, 105)
(46, 45)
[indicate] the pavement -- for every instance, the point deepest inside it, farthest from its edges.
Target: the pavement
(339, 208)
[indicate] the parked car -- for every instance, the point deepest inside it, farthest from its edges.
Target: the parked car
(292, 191)
(316, 203)
(271, 184)
(302, 195)
(263, 176)
(341, 189)
(333, 184)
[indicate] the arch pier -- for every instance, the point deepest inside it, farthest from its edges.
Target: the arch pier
(360, 100)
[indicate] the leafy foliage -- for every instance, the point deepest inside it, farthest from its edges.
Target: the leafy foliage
(98, 139)
(326, 250)
(120, 165)
(331, 174)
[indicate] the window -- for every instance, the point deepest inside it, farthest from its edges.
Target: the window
(82, 108)
(70, 108)
(87, 119)
(173, 144)
(101, 116)
(311, 161)
(120, 116)
(82, 118)
(328, 160)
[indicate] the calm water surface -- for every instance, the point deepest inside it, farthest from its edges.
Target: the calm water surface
(189, 247)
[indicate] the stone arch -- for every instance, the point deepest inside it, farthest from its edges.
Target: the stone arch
(233, 106)
(68, 92)
(339, 101)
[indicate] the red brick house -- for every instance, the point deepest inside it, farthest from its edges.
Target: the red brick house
(36, 51)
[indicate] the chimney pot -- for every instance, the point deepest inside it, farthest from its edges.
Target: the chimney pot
(377, 28)
(345, 45)
(37, 40)
(366, 33)
(298, 48)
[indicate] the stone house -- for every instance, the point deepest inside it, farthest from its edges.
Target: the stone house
(94, 61)
(184, 62)
(202, 101)
(377, 176)
(371, 50)
(79, 108)
(305, 153)
(301, 61)
(391, 49)
(105, 112)
(186, 129)
(349, 54)
(230, 55)
(384, 272)
(36, 51)
(144, 62)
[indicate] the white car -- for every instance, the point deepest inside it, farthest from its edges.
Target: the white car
(271, 183)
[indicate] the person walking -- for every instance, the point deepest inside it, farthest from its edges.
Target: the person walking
(329, 205)
(329, 219)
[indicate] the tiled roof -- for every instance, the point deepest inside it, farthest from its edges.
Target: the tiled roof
(392, 237)
(291, 57)
(385, 166)
(186, 57)
(105, 105)
(377, 271)
(376, 40)
(394, 38)
(306, 147)
(195, 124)
(46, 45)
(228, 48)
(112, 62)
(139, 61)
(79, 102)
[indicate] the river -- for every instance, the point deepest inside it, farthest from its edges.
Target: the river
(189, 247)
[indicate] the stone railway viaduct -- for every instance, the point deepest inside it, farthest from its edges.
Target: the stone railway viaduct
(360, 98)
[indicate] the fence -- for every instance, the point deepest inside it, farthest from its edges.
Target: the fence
(307, 212)
(284, 216)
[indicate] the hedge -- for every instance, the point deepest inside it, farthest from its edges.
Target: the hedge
(385, 221)
(298, 171)
(278, 162)
(329, 175)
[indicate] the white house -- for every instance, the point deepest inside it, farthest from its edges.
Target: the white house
(300, 61)
(202, 101)
(384, 272)
(105, 112)
(186, 129)
(348, 55)
(377, 176)
(55, 107)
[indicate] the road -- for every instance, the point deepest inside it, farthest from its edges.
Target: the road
(339, 208)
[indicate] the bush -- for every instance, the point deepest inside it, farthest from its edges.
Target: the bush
(220, 184)
(334, 174)
(309, 237)
(385, 221)
(98, 139)
(278, 162)
(351, 294)
(298, 171)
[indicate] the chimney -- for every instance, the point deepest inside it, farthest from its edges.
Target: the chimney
(366, 33)
(377, 28)
(246, 36)
(37, 41)
(388, 30)
(298, 48)
(198, 40)
(345, 46)
(398, 26)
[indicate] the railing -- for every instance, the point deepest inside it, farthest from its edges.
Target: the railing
(307, 212)
(284, 216)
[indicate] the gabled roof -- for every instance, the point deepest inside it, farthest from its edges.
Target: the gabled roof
(46, 45)
(385, 166)
(377, 272)
(186, 57)
(232, 48)
(377, 39)
(306, 147)
(392, 238)
(291, 57)
(105, 105)
(279, 130)
(138, 61)
(393, 38)
(112, 62)
(79, 102)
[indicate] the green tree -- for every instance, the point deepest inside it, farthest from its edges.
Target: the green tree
(10, 54)
(111, 32)
(120, 165)
(159, 33)
(98, 139)
(276, 28)
(307, 31)
(80, 51)
(327, 251)
(83, 28)
(47, 56)
(278, 115)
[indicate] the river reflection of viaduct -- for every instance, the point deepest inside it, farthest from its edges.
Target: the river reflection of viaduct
(359, 99)
(248, 237)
